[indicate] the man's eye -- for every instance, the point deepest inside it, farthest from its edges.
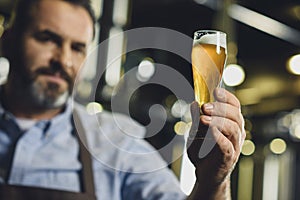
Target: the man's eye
(47, 36)
(79, 49)
(43, 37)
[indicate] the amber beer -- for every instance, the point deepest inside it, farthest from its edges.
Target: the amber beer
(208, 60)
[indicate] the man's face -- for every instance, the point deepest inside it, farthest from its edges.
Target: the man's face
(53, 49)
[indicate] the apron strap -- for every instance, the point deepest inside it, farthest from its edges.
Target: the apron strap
(87, 178)
(17, 192)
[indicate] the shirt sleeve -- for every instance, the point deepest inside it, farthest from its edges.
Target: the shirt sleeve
(148, 177)
(157, 185)
(136, 170)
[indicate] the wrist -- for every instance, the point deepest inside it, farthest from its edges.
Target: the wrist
(211, 186)
(207, 191)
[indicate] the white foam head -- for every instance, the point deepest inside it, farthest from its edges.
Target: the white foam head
(210, 37)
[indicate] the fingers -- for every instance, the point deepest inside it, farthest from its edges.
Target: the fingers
(226, 116)
(225, 146)
(225, 96)
(224, 110)
(226, 127)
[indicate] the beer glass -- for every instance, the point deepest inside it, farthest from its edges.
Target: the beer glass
(208, 61)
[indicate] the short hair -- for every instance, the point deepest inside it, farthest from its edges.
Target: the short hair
(23, 16)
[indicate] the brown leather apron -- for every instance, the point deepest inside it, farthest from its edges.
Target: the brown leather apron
(14, 192)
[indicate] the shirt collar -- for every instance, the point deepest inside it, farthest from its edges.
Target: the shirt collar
(63, 116)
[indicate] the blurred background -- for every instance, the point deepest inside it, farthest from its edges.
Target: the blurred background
(263, 68)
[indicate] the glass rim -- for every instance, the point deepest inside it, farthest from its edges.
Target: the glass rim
(208, 31)
(220, 37)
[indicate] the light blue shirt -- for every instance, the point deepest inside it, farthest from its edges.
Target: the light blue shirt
(125, 166)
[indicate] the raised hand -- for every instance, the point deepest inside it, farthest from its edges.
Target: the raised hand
(214, 143)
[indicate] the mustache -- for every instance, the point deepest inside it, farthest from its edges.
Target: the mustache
(54, 71)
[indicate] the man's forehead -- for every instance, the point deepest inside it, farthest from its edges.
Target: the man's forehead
(64, 18)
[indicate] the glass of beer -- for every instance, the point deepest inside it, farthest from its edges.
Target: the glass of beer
(208, 61)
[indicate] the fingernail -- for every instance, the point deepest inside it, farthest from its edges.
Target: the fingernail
(208, 106)
(220, 93)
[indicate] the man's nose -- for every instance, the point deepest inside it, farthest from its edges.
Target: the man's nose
(63, 56)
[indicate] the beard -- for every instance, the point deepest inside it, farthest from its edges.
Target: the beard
(48, 95)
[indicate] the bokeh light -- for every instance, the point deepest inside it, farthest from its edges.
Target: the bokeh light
(233, 75)
(278, 146)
